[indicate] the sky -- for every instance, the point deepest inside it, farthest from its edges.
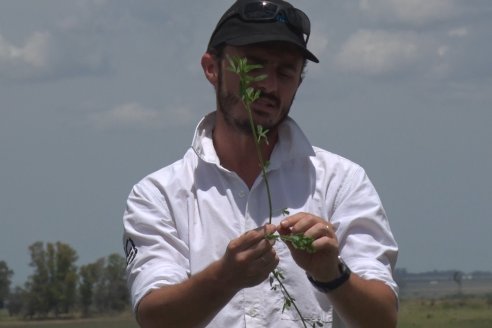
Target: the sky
(96, 94)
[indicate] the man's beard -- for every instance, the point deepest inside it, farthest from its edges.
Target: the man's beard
(227, 101)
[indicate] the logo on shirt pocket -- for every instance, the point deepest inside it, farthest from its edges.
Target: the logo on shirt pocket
(130, 251)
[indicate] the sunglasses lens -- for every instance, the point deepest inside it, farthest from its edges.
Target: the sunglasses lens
(266, 10)
(260, 10)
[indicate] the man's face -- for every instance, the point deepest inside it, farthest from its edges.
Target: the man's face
(283, 65)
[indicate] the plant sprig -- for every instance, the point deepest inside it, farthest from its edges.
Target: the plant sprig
(299, 241)
(249, 95)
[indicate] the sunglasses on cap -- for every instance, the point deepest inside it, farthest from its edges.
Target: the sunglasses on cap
(268, 11)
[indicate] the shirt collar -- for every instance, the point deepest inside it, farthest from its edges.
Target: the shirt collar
(203, 144)
(292, 142)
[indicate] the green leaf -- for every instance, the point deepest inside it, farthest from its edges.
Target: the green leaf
(262, 133)
(287, 304)
(248, 79)
(260, 77)
(250, 92)
(257, 95)
(233, 67)
(299, 241)
(249, 68)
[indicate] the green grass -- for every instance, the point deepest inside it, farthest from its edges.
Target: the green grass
(450, 312)
(120, 321)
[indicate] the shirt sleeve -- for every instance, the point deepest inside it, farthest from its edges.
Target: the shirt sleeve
(156, 256)
(366, 242)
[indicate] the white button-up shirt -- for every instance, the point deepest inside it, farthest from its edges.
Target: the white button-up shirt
(180, 219)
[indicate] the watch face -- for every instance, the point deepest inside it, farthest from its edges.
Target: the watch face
(342, 266)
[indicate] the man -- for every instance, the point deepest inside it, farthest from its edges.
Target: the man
(195, 231)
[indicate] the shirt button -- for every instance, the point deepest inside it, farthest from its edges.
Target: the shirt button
(242, 193)
(252, 313)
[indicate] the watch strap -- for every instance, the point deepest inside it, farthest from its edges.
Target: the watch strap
(329, 286)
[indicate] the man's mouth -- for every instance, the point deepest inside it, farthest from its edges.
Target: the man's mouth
(264, 104)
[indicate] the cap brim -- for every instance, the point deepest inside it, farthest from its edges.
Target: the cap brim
(252, 39)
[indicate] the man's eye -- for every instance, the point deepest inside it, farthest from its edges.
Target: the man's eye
(285, 74)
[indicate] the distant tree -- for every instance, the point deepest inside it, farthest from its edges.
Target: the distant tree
(89, 275)
(111, 293)
(37, 287)
(65, 277)
(52, 287)
(5, 281)
(102, 286)
(117, 289)
(16, 301)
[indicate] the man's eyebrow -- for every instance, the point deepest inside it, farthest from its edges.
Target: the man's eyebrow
(255, 59)
(283, 65)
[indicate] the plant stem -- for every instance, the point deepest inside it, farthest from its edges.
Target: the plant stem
(260, 159)
(287, 295)
(248, 96)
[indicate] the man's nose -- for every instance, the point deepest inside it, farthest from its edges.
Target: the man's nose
(269, 84)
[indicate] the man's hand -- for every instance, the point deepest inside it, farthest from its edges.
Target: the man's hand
(249, 259)
(322, 265)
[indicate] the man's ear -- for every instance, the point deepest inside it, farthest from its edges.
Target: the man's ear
(210, 68)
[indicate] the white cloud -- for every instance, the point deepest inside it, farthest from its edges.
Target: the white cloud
(53, 54)
(135, 115)
(379, 52)
(20, 61)
(129, 114)
(442, 50)
(36, 50)
(458, 32)
(415, 12)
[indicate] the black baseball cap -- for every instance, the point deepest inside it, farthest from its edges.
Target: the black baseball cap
(254, 21)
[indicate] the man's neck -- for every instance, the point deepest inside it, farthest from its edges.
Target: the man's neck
(237, 151)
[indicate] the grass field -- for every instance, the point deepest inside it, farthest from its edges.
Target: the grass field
(121, 321)
(447, 312)
(468, 312)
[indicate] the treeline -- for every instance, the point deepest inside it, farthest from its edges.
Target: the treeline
(440, 275)
(404, 277)
(58, 287)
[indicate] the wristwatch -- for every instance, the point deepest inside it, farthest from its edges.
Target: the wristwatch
(329, 286)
